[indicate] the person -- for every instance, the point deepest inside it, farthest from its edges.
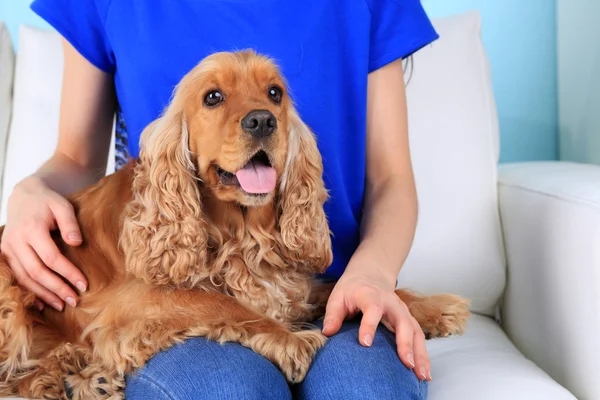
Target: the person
(343, 64)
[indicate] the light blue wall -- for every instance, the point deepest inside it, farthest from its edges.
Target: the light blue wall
(16, 12)
(520, 38)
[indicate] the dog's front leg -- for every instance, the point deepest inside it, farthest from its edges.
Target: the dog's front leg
(438, 315)
(146, 320)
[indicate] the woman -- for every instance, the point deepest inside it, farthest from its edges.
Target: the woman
(342, 60)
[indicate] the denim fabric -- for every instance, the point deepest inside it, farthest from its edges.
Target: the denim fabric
(200, 369)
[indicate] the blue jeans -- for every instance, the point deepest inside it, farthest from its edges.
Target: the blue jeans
(343, 369)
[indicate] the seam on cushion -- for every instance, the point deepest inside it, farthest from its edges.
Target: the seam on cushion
(484, 62)
(485, 73)
(488, 89)
(159, 387)
(554, 195)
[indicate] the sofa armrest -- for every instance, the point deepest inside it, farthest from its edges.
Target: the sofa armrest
(550, 215)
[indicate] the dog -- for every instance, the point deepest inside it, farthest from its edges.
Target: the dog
(217, 230)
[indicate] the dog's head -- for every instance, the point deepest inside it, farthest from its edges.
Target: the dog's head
(239, 122)
(232, 130)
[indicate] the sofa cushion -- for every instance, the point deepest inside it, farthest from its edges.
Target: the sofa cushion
(33, 132)
(7, 61)
(454, 146)
(484, 364)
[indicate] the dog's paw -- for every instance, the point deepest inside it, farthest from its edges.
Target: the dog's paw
(440, 315)
(299, 353)
(96, 387)
(291, 352)
(447, 315)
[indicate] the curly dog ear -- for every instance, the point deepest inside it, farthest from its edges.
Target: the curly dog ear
(305, 235)
(164, 235)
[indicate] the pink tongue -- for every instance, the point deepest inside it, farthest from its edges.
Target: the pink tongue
(257, 178)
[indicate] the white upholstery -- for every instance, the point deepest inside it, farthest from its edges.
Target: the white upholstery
(484, 365)
(34, 128)
(454, 145)
(458, 247)
(7, 61)
(551, 218)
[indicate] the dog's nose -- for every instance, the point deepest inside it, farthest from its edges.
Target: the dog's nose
(259, 123)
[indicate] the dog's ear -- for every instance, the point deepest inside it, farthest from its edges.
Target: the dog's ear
(164, 234)
(305, 235)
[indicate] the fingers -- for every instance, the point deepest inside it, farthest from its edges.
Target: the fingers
(404, 342)
(422, 367)
(410, 340)
(39, 304)
(389, 326)
(372, 315)
(33, 211)
(66, 221)
(25, 280)
(373, 307)
(42, 276)
(335, 314)
(48, 252)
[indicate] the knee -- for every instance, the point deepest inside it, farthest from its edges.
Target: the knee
(202, 369)
(345, 369)
(143, 386)
(346, 380)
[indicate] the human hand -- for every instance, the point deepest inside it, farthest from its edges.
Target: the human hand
(371, 293)
(33, 212)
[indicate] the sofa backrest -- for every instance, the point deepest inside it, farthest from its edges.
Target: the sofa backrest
(454, 140)
(454, 143)
(33, 130)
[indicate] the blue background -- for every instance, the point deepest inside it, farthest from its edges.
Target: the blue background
(520, 39)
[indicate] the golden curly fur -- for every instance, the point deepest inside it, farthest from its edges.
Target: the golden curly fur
(173, 250)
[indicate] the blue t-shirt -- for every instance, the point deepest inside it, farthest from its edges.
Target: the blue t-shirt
(325, 48)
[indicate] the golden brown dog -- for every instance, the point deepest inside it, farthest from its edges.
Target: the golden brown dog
(216, 230)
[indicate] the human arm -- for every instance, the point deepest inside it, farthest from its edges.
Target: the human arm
(387, 227)
(37, 204)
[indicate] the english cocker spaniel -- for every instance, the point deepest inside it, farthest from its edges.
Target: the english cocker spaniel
(216, 230)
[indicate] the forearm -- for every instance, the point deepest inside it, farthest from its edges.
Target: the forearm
(86, 121)
(388, 227)
(64, 175)
(390, 208)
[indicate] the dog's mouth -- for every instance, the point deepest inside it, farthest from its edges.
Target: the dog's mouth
(257, 177)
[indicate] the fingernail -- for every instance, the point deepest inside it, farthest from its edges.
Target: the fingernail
(57, 306)
(325, 324)
(411, 359)
(368, 340)
(40, 306)
(71, 301)
(430, 378)
(76, 237)
(422, 373)
(81, 286)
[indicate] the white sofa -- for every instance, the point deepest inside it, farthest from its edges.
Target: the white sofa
(520, 240)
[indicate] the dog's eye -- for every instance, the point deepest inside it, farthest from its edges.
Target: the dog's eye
(275, 94)
(213, 98)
